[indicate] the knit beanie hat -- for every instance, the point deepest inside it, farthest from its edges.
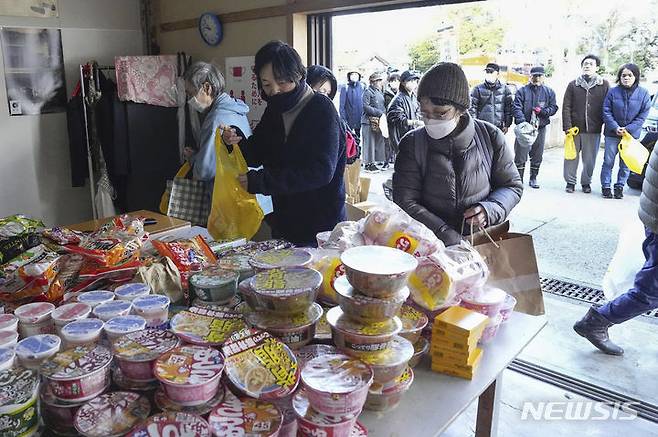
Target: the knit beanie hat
(445, 81)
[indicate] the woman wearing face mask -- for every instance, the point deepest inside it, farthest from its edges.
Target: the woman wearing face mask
(625, 109)
(204, 85)
(298, 144)
(455, 172)
(403, 113)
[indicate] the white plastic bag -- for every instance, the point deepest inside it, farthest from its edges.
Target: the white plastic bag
(627, 260)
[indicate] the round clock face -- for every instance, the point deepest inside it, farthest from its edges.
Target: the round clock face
(210, 29)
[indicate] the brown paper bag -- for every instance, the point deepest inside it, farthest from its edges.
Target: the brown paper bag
(352, 178)
(163, 278)
(513, 268)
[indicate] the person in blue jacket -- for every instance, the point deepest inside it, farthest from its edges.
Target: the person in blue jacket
(539, 99)
(625, 109)
(351, 101)
(297, 143)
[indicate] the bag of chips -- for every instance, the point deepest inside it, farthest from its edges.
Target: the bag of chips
(16, 225)
(187, 255)
(63, 236)
(14, 246)
(30, 274)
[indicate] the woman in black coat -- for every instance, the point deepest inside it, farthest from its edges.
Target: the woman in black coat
(297, 144)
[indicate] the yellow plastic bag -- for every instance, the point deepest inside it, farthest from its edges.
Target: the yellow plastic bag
(235, 213)
(634, 154)
(164, 200)
(570, 145)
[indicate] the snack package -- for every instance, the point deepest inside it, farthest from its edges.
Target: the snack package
(63, 236)
(441, 278)
(30, 274)
(163, 277)
(115, 243)
(16, 225)
(69, 269)
(92, 269)
(391, 226)
(187, 254)
(345, 235)
(327, 262)
(14, 246)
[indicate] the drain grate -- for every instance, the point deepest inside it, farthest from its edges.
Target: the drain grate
(579, 292)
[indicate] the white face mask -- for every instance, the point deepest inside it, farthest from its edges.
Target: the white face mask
(196, 105)
(438, 129)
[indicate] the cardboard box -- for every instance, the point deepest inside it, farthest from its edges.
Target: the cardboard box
(451, 336)
(359, 210)
(460, 321)
(365, 189)
(440, 356)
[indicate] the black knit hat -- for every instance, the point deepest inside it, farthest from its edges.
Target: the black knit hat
(445, 81)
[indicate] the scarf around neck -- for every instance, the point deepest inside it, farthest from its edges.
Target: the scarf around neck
(285, 101)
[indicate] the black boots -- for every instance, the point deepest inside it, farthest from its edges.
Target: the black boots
(619, 192)
(533, 178)
(570, 188)
(594, 327)
(587, 189)
(607, 193)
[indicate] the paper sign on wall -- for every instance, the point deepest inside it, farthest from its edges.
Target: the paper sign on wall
(241, 84)
(29, 8)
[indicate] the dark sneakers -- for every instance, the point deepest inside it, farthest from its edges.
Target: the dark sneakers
(607, 193)
(533, 182)
(587, 189)
(619, 192)
(372, 167)
(594, 327)
(570, 188)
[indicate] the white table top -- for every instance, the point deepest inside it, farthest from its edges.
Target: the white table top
(435, 400)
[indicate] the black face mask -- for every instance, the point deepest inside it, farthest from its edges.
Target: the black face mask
(285, 101)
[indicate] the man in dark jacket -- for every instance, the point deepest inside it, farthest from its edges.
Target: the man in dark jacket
(403, 114)
(455, 173)
(643, 296)
(351, 101)
(373, 144)
(539, 99)
(391, 89)
(582, 107)
(492, 100)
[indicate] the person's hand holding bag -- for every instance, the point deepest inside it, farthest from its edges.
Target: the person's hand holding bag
(229, 135)
(476, 216)
(243, 180)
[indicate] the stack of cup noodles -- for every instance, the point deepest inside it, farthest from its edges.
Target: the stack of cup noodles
(367, 325)
(493, 303)
(282, 294)
(214, 285)
(8, 340)
(35, 318)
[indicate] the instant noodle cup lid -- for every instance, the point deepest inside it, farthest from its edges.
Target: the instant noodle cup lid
(163, 402)
(132, 291)
(71, 312)
(412, 319)
(379, 260)
(7, 355)
(112, 309)
(76, 362)
(38, 346)
(245, 417)
(358, 430)
(286, 282)
(172, 424)
(206, 327)
(189, 365)
(310, 351)
(145, 345)
(124, 324)
(398, 385)
(303, 409)
(96, 297)
(111, 414)
(399, 351)
(151, 303)
(260, 365)
(281, 258)
(17, 386)
(237, 262)
(8, 321)
(342, 322)
(486, 296)
(34, 312)
(264, 320)
(82, 329)
(336, 374)
(213, 277)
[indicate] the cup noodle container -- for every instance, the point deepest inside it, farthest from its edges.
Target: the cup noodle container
(136, 352)
(68, 313)
(389, 364)
(115, 308)
(312, 423)
(289, 424)
(190, 375)
(19, 393)
(280, 259)
(8, 339)
(96, 297)
(308, 352)
(296, 330)
(33, 351)
(508, 307)
(337, 385)
(358, 430)
(7, 358)
(356, 337)
(122, 325)
(85, 331)
(79, 373)
(488, 301)
(154, 308)
(112, 414)
(58, 416)
(206, 327)
(163, 402)
(129, 292)
(172, 424)
(213, 284)
(35, 318)
(245, 416)
(384, 397)
(8, 322)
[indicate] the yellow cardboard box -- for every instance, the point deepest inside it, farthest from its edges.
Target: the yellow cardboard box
(460, 321)
(443, 358)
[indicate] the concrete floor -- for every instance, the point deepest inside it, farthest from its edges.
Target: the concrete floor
(575, 236)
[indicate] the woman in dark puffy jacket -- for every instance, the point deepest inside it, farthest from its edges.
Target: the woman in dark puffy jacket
(403, 114)
(624, 110)
(455, 172)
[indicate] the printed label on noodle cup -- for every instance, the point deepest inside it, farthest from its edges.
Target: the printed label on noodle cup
(76, 362)
(191, 365)
(173, 424)
(260, 365)
(204, 326)
(245, 416)
(112, 414)
(145, 345)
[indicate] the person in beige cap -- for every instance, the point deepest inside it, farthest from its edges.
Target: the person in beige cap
(455, 173)
(373, 144)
